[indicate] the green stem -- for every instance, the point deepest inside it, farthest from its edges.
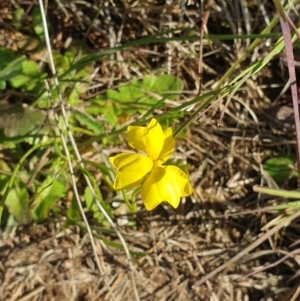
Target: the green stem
(132, 203)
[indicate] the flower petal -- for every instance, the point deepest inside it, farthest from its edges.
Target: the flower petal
(165, 183)
(149, 139)
(168, 147)
(131, 170)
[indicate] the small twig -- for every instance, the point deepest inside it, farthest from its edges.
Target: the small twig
(249, 248)
(274, 264)
(285, 26)
(81, 164)
(203, 23)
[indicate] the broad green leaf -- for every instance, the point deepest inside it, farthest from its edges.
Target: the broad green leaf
(163, 85)
(143, 94)
(113, 94)
(280, 168)
(110, 113)
(131, 92)
(18, 121)
(18, 204)
(105, 108)
(30, 75)
(51, 191)
(30, 68)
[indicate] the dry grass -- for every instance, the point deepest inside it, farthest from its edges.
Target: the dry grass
(46, 262)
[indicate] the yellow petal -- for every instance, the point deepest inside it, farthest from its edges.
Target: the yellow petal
(165, 183)
(149, 139)
(168, 147)
(131, 170)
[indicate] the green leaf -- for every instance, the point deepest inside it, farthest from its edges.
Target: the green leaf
(110, 113)
(280, 168)
(18, 71)
(43, 101)
(18, 204)
(86, 120)
(30, 68)
(18, 17)
(73, 212)
(6, 56)
(163, 85)
(2, 84)
(90, 203)
(78, 82)
(10, 69)
(113, 94)
(17, 121)
(30, 75)
(66, 61)
(48, 194)
(73, 97)
(37, 22)
(146, 93)
(60, 63)
(3, 176)
(104, 107)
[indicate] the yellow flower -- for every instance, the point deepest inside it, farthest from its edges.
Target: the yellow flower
(159, 183)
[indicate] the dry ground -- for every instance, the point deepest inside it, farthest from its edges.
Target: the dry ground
(48, 262)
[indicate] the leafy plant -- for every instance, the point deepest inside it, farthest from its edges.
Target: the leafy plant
(76, 83)
(141, 95)
(137, 96)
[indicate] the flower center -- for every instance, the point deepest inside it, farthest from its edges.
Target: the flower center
(157, 163)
